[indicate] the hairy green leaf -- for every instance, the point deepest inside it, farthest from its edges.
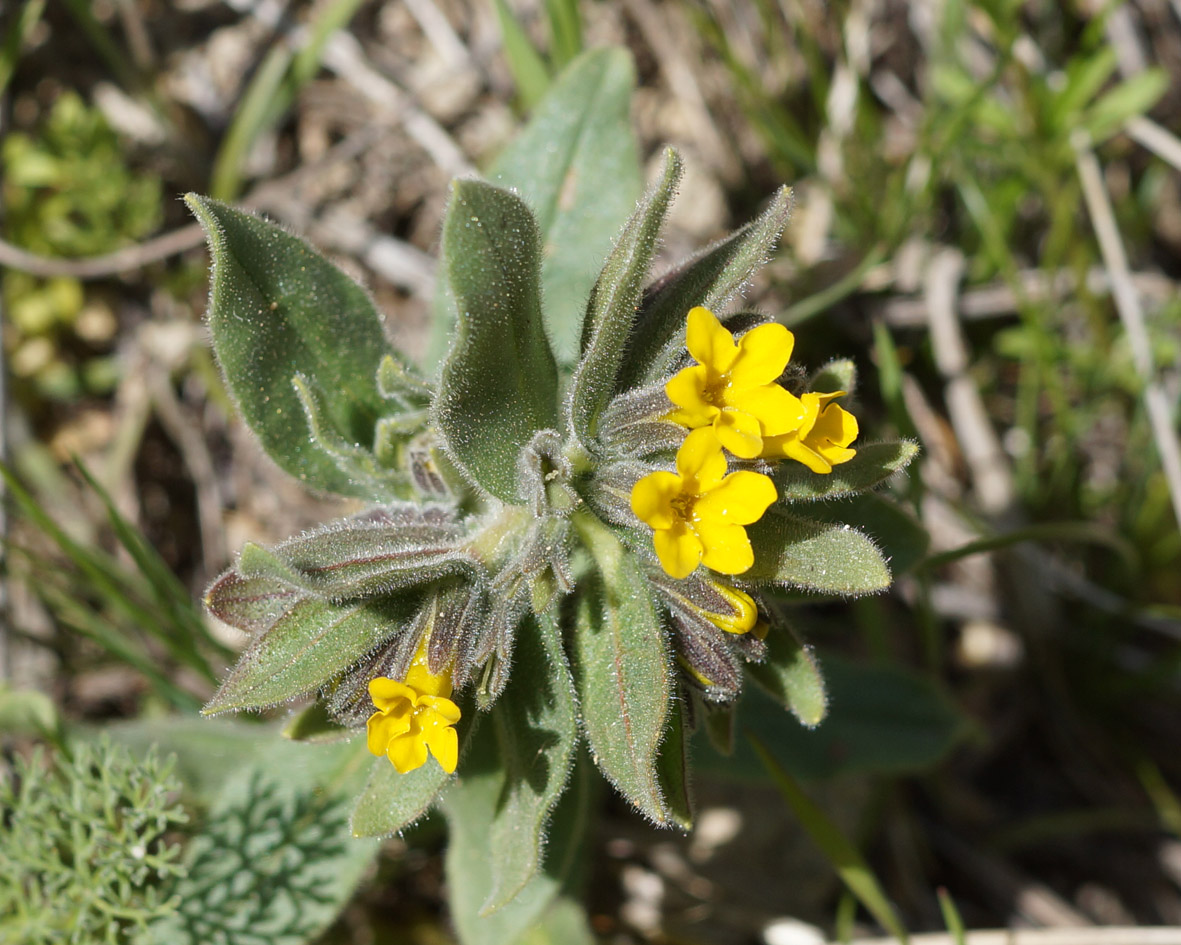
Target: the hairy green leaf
(791, 674)
(276, 309)
(614, 300)
(838, 374)
(873, 465)
(499, 383)
(536, 730)
(576, 166)
(470, 804)
(672, 768)
(898, 534)
(833, 559)
(621, 668)
(310, 644)
(709, 278)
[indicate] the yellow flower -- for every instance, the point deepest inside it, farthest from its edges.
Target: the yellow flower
(822, 440)
(732, 387)
(697, 513)
(414, 716)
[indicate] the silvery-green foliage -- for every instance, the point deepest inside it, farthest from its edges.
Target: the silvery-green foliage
(83, 851)
(501, 530)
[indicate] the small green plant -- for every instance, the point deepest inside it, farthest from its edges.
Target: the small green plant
(84, 848)
(578, 524)
(67, 192)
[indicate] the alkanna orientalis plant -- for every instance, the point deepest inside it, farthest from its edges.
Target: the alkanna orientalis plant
(574, 521)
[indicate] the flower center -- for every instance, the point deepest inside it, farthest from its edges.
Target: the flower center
(683, 506)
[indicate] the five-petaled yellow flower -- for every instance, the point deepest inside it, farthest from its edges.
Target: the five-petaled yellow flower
(697, 513)
(732, 388)
(822, 439)
(414, 716)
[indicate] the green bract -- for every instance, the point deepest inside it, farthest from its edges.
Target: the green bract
(500, 552)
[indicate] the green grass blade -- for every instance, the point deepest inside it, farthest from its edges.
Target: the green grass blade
(524, 61)
(565, 27)
(14, 39)
(1078, 532)
(951, 917)
(849, 864)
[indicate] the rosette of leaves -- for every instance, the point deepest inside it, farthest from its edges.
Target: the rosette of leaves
(499, 529)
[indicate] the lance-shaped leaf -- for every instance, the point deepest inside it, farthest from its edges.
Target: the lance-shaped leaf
(276, 309)
(349, 560)
(308, 645)
(838, 374)
(470, 803)
(873, 465)
(536, 728)
(833, 559)
(791, 674)
(499, 384)
(898, 534)
(621, 668)
(613, 304)
(672, 768)
(250, 604)
(575, 164)
(710, 278)
(391, 801)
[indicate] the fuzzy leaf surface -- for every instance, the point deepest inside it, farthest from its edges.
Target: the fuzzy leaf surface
(621, 669)
(536, 727)
(277, 308)
(838, 374)
(346, 561)
(614, 301)
(710, 278)
(471, 803)
(897, 533)
(391, 802)
(830, 558)
(873, 465)
(308, 645)
(791, 675)
(499, 384)
(576, 165)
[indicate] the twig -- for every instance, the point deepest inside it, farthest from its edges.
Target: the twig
(1161, 142)
(991, 478)
(989, 301)
(437, 29)
(1127, 304)
(1072, 936)
(99, 267)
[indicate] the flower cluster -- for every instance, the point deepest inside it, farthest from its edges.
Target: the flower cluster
(414, 716)
(731, 400)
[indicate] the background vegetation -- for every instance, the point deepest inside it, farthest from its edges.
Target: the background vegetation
(988, 197)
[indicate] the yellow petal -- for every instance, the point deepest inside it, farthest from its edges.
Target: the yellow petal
(444, 745)
(678, 549)
(425, 683)
(708, 341)
(801, 452)
(727, 549)
(739, 432)
(385, 693)
(700, 461)
(835, 455)
(381, 728)
(834, 425)
(687, 389)
(408, 751)
(740, 499)
(812, 406)
(652, 497)
(763, 353)
(777, 410)
(440, 710)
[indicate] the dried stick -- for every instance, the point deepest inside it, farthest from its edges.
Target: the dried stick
(1131, 313)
